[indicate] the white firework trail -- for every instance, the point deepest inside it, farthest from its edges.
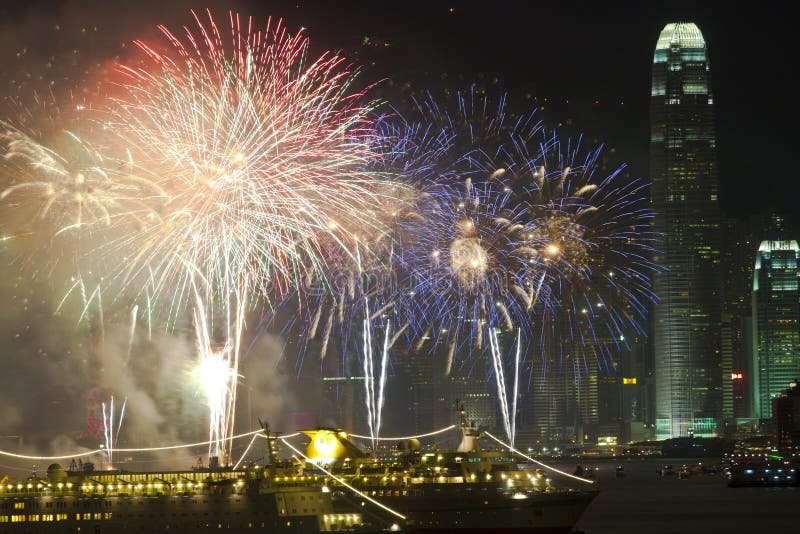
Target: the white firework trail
(369, 386)
(508, 406)
(110, 433)
(375, 396)
(451, 350)
(217, 371)
(382, 383)
(131, 332)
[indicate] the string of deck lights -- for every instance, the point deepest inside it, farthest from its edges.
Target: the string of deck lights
(401, 438)
(142, 449)
(255, 433)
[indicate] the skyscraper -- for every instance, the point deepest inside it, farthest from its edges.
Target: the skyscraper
(686, 336)
(776, 322)
(738, 250)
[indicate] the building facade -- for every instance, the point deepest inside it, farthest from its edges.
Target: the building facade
(687, 318)
(739, 248)
(786, 416)
(776, 322)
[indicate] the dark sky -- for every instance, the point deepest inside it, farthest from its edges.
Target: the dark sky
(585, 62)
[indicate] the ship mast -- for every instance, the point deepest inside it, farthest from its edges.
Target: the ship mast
(272, 452)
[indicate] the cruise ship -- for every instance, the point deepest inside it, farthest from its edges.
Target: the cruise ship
(466, 490)
(332, 487)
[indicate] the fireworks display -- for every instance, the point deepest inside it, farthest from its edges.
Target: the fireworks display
(594, 245)
(259, 155)
(469, 267)
(70, 180)
(461, 253)
(228, 172)
(514, 236)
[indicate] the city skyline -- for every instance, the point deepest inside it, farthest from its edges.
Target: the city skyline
(548, 95)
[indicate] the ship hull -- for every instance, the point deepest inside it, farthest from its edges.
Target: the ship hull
(541, 515)
(503, 530)
(555, 512)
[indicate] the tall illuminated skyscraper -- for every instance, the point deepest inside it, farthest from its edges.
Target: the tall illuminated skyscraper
(686, 336)
(776, 322)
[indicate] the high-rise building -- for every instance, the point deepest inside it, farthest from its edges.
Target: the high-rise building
(686, 336)
(776, 321)
(786, 416)
(739, 248)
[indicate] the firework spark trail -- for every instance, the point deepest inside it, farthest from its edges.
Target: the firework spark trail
(499, 374)
(369, 375)
(218, 369)
(517, 355)
(215, 373)
(382, 382)
(110, 433)
(374, 393)
(131, 332)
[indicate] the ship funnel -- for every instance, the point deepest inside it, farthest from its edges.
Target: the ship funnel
(329, 445)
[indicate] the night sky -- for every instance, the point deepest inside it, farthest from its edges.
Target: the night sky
(587, 64)
(587, 67)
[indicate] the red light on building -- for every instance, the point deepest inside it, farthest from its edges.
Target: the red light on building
(737, 376)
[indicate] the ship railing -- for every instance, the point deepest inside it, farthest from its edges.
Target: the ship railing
(294, 481)
(27, 488)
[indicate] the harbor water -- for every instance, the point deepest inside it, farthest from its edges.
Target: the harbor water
(644, 502)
